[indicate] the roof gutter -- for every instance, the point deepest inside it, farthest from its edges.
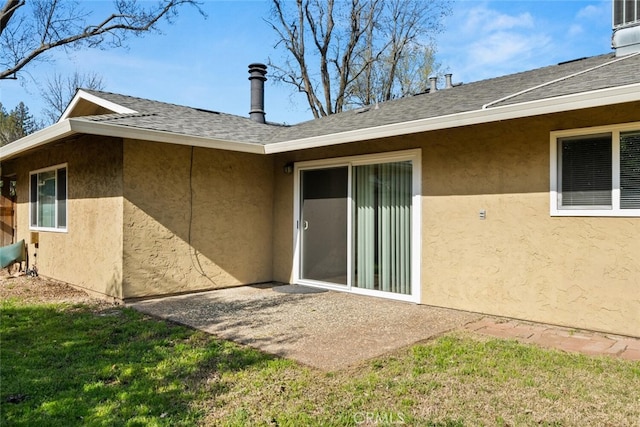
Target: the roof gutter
(129, 132)
(68, 127)
(36, 139)
(597, 98)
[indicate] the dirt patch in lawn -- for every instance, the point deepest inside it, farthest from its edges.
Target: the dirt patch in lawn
(42, 290)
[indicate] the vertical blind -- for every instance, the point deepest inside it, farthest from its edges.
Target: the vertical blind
(630, 170)
(382, 226)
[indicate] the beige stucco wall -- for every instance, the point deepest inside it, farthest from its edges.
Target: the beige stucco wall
(89, 254)
(519, 262)
(207, 231)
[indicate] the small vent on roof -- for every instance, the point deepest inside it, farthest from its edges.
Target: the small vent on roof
(362, 110)
(433, 84)
(572, 60)
(204, 110)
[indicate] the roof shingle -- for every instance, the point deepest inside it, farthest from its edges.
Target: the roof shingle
(583, 75)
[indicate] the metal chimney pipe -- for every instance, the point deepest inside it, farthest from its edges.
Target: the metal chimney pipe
(434, 84)
(257, 74)
(448, 83)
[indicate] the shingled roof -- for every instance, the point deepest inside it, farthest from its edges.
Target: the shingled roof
(604, 79)
(567, 78)
(161, 116)
(595, 73)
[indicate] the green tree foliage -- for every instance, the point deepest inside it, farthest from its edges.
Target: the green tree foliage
(16, 124)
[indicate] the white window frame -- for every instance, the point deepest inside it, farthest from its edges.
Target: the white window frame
(614, 210)
(56, 228)
(415, 156)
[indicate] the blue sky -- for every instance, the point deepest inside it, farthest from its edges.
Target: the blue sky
(203, 62)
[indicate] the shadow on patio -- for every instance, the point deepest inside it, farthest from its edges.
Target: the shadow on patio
(325, 330)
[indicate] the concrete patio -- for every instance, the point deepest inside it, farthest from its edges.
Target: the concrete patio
(325, 330)
(333, 330)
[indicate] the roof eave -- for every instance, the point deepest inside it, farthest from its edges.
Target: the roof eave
(596, 98)
(130, 132)
(68, 127)
(72, 126)
(37, 139)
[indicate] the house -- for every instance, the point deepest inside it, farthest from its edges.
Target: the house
(517, 196)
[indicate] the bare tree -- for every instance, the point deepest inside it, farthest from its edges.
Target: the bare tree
(28, 32)
(342, 54)
(61, 90)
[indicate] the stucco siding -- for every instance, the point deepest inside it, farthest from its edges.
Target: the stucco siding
(520, 261)
(195, 221)
(89, 254)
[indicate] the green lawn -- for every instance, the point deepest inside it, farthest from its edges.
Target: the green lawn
(83, 364)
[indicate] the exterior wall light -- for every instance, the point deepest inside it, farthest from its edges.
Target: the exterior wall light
(288, 168)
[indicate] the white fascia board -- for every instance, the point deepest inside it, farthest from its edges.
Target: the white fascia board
(69, 127)
(36, 139)
(597, 98)
(112, 106)
(129, 132)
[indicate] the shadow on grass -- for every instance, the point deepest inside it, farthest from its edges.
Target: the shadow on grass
(72, 365)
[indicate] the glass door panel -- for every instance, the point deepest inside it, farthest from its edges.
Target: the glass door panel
(323, 224)
(382, 226)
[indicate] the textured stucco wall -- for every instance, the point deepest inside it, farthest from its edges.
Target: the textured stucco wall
(209, 231)
(519, 262)
(89, 254)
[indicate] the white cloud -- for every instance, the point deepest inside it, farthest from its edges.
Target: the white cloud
(501, 48)
(482, 19)
(492, 38)
(594, 11)
(491, 42)
(575, 30)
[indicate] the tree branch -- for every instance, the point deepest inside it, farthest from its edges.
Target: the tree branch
(7, 12)
(56, 31)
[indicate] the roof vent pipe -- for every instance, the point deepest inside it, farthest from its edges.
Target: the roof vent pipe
(434, 84)
(448, 84)
(257, 74)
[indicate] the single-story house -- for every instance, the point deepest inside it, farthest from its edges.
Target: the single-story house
(516, 196)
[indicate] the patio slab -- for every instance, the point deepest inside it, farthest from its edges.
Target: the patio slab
(333, 330)
(325, 330)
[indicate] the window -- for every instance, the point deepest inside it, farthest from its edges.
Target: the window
(625, 12)
(596, 172)
(48, 199)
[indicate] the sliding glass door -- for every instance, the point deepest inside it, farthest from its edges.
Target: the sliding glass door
(356, 224)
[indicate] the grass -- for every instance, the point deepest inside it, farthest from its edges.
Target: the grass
(86, 364)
